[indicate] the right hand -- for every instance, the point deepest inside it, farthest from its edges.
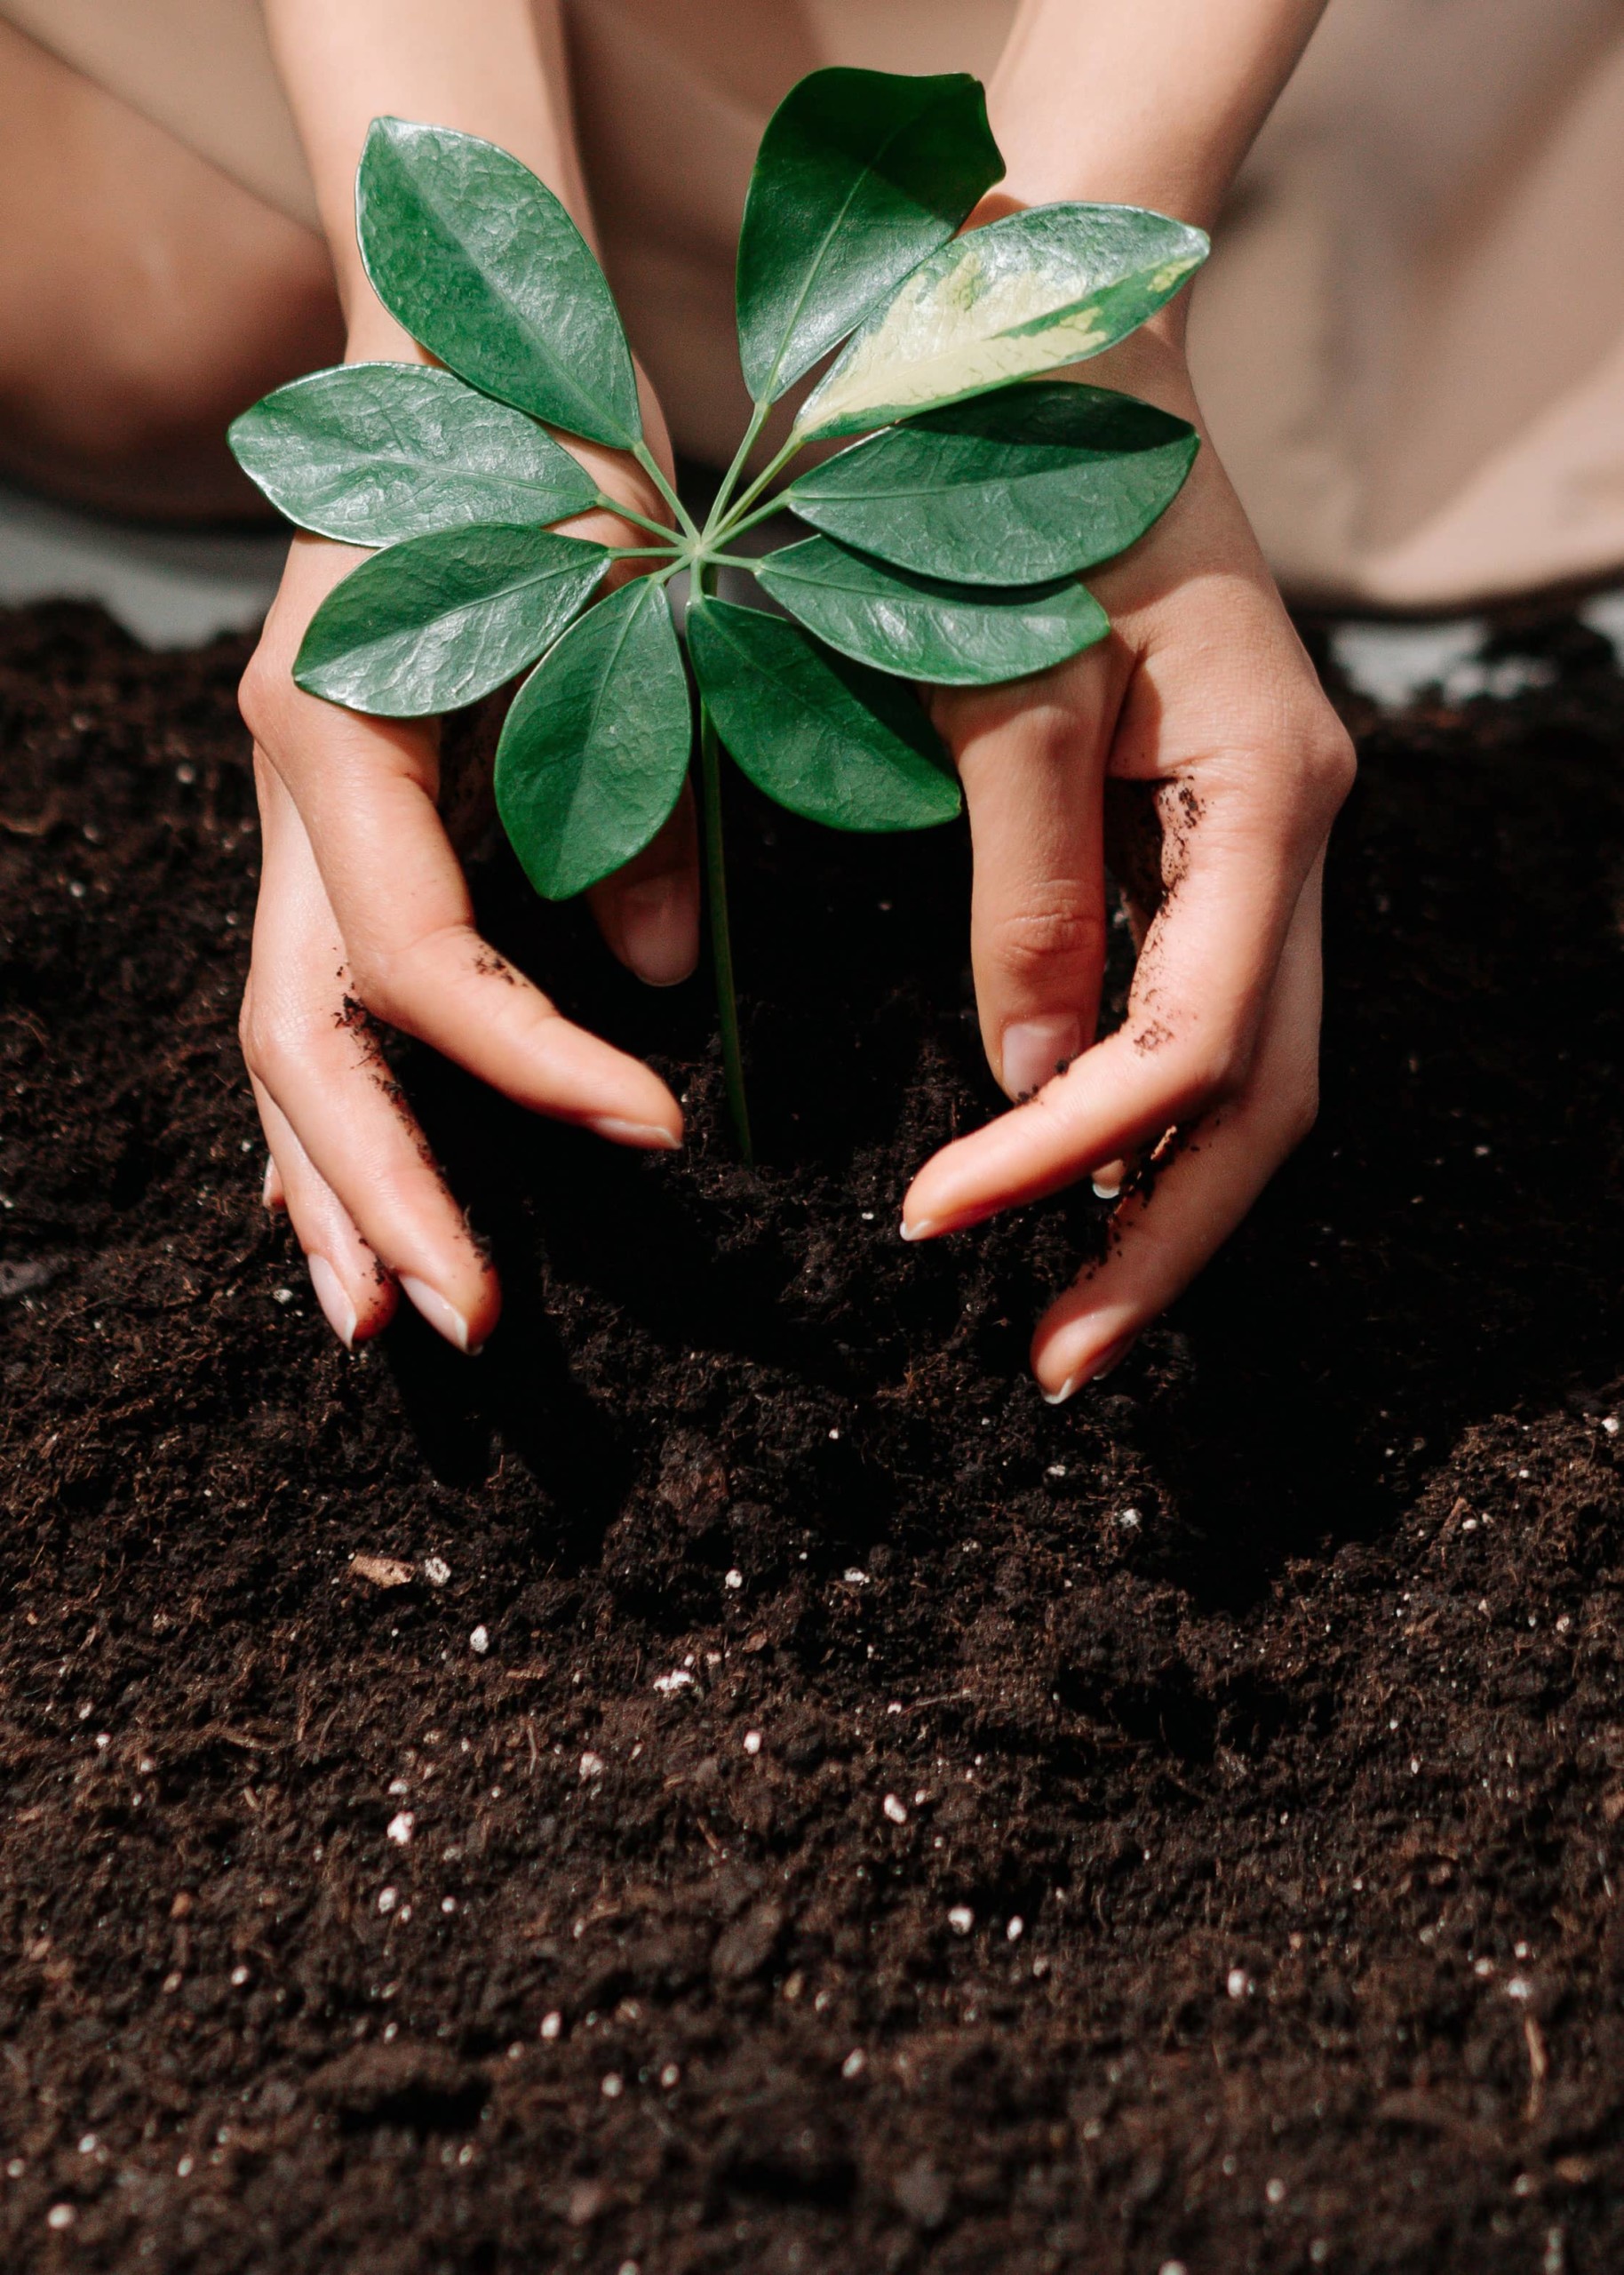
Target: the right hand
(1203, 710)
(364, 915)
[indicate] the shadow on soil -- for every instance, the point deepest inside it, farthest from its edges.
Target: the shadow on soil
(1445, 1246)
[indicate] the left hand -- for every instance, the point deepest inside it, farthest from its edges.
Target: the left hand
(1204, 692)
(364, 914)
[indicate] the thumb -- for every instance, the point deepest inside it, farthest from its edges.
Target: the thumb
(1031, 757)
(649, 911)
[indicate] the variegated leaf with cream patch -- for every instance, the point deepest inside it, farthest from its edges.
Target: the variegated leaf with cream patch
(1038, 290)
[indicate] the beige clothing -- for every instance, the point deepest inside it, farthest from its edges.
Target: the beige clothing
(1409, 341)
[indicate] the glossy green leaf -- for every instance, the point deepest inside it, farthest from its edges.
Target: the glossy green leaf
(1026, 295)
(920, 628)
(1037, 481)
(441, 621)
(373, 453)
(483, 265)
(817, 734)
(860, 174)
(595, 748)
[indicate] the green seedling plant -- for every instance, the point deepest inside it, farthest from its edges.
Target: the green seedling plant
(947, 544)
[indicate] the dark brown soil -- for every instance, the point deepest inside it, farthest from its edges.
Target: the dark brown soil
(1262, 1711)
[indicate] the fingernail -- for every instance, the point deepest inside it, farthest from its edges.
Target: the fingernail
(270, 1193)
(444, 1318)
(336, 1305)
(920, 1229)
(1034, 1051)
(656, 938)
(632, 1133)
(1108, 1179)
(1098, 1367)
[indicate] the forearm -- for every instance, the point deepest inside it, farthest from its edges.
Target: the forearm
(497, 70)
(1150, 103)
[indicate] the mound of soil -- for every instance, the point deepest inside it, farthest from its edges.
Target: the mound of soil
(731, 1780)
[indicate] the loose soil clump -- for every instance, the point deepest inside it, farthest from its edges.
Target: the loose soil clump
(731, 1780)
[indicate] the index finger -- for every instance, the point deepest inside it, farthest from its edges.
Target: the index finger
(366, 792)
(1235, 861)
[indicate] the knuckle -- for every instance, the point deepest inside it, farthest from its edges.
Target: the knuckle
(387, 975)
(262, 695)
(1330, 765)
(270, 1036)
(287, 1045)
(270, 1048)
(380, 978)
(286, 1029)
(1063, 928)
(1214, 1070)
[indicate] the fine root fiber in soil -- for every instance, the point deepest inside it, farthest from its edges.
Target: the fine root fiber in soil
(731, 1780)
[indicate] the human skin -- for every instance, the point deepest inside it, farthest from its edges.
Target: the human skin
(1202, 692)
(144, 301)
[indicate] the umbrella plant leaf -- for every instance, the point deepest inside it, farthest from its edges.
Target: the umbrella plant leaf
(483, 265)
(1042, 288)
(817, 734)
(1037, 481)
(860, 174)
(595, 750)
(947, 549)
(440, 620)
(373, 454)
(923, 628)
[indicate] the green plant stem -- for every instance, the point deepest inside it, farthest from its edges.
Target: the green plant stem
(718, 503)
(748, 521)
(651, 466)
(716, 896)
(643, 552)
(623, 512)
(721, 943)
(735, 520)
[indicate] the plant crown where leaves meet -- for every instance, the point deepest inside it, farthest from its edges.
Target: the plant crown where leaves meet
(947, 544)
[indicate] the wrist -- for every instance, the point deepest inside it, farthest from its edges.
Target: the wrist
(1149, 363)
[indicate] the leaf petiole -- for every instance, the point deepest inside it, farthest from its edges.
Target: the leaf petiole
(625, 513)
(735, 519)
(716, 896)
(763, 513)
(651, 466)
(720, 504)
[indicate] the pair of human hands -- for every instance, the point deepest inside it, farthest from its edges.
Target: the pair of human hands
(1202, 694)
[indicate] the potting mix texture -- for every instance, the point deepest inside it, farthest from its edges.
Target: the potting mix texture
(731, 1780)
